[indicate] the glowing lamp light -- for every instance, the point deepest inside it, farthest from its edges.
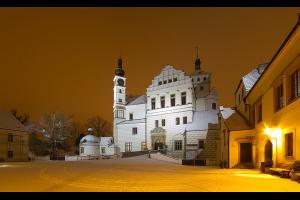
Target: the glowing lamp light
(273, 133)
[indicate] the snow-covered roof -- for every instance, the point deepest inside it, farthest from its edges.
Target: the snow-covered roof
(234, 121)
(250, 79)
(9, 122)
(89, 139)
(138, 100)
(135, 121)
(201, 119)
(106, 141)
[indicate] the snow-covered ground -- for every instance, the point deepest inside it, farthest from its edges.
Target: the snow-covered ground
(133, 174)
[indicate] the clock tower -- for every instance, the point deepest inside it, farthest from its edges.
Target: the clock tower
(119, 98)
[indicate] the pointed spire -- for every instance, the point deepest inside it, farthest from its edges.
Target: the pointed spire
(119, 70)
(197, 61)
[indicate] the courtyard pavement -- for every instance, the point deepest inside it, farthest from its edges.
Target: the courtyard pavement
(134, 174)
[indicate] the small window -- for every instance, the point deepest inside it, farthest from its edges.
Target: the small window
(10, 138)
(184, 120)
(201, 144)
(120, 91)
(156, 123)
(198, 79)
(81, 149)
(178, 145)
(289, 144)
(214, 106)
(130, 116)
(128, 146)
(10, 154)
(163, 122)
(165, 81)
(160, 83)
(279, 102)
(177, 120)
(204, 78)
(134, 131)
(162, 102)
(153, 103)
(120, 100)
(103, 150)
(174, 79)
(295, 85)
(183, 98)
(172, 99)
(170, 81)
(192, 80)
(201, 88)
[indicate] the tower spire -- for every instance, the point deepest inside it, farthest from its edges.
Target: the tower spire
(119, 70)
(197, 61)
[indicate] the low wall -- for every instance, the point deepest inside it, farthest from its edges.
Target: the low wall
(135, 153)
(162, 157)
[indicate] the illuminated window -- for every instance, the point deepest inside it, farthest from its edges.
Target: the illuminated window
(183, 98)
(163, 122)
(178, 145)
(200, 144)
(289, 144)
(153, 103)
(130, 116)
(295, 85)
(184, 120)
(162, 102)
(172, 99)
(134, 131)
(156, 123)
(177, 120)
(128, 146)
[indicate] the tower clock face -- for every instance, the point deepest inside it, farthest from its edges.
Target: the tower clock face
(120, 82)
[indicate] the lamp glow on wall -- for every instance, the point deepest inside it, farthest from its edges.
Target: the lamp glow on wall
(275, 135)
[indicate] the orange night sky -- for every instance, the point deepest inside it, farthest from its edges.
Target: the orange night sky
(63, 59)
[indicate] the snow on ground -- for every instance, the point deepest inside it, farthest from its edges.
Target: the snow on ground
(134, 174)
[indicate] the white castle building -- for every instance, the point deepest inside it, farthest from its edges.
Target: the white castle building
(178, 113)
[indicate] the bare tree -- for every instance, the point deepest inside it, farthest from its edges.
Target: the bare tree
(56, 127)
(100, 126)
(23, 118)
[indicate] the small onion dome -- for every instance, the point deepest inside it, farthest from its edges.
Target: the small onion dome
(89, 139)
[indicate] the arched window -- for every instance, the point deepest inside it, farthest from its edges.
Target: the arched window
(214, 106)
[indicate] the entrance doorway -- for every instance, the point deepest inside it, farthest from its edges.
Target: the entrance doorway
(245, 152)
(158, 145)
(268, 151)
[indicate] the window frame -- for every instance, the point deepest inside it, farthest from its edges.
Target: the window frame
(184, 120)
(183, 98)
(172, 100)
(177, 121)
(203, 144)
(289, 144)
(162, 102)
(163, 122)
(153, 103)
(156, 123)
(130, 116)
(134, 131)
(178, 146)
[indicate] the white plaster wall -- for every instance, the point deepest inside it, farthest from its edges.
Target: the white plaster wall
(89, 150)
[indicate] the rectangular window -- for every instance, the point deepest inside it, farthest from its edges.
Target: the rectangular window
(10, 154)
(170, 81)
(184, 120)
(153, 103)
(172, 99)
(162, 102)
(103, 150)
(120, 100)
(279, 98)
(81, 149)
(156, 123)
(174, 79)
(163, 122)
(10, 138)
(178, 145)
(177, 120)
(130, 116)
(259, 117)
(295, 85)
(160, 83)
(183, 98)
(143, 146)
(128, 146)
(120, 114)
(201, 144)
(165, 81)
(134, 131)
(289, 144)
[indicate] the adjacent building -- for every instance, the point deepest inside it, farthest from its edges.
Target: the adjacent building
(264, 125)
(14, 140)
(178, 113)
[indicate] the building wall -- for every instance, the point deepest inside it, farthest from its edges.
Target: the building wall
(89, 150)
(19, 146)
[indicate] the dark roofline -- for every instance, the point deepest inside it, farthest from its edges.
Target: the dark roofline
(276, 54)
(17, 130)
